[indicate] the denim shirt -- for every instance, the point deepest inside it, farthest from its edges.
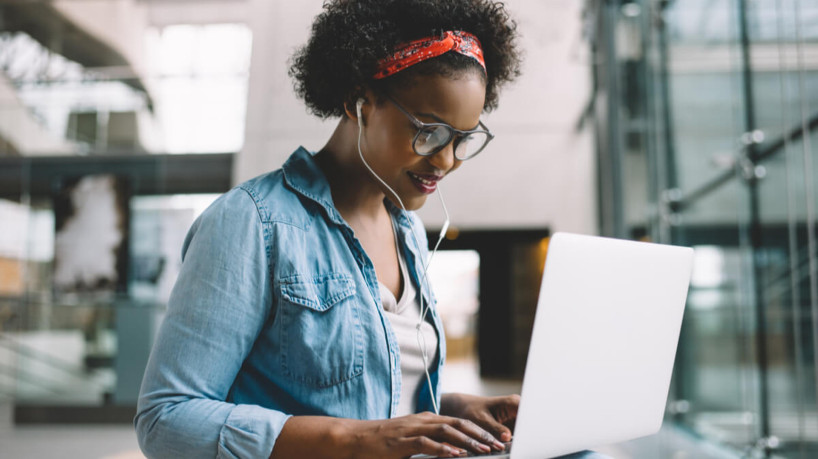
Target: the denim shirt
(276, 312)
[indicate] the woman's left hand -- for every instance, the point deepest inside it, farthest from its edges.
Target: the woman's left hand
(493, 414)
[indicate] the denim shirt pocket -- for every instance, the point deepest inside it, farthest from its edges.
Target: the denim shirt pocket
(321, 334)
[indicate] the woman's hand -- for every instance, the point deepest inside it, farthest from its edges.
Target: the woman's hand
(494, 414)
(423, 433)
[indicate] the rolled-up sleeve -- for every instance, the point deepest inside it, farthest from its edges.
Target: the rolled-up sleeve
(219, 304)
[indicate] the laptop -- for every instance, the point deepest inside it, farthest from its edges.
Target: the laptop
(603, 345)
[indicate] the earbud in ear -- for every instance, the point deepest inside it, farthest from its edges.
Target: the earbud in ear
(358, 106)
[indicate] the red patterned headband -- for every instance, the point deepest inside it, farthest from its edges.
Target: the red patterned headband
(411, 53)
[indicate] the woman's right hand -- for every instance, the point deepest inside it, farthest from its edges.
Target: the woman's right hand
(423, 433)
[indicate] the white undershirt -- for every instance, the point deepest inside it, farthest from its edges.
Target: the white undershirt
(404, 314)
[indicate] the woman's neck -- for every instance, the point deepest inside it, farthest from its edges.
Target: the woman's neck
(355, 192)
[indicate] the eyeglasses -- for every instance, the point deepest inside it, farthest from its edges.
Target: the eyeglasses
(433, 137)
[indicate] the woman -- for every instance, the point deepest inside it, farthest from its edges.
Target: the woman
(302, 324)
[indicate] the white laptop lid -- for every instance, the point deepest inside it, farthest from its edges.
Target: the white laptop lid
(603, 345)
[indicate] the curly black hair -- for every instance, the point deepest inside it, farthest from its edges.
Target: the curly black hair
(350, 36)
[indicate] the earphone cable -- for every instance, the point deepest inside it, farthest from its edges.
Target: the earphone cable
(424, 282)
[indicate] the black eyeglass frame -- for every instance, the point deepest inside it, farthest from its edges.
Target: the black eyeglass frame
(456, 133)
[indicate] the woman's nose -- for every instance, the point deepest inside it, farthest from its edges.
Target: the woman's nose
(444, 159)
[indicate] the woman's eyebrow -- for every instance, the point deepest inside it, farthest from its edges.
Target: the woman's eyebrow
(439, 120)
(431, 115)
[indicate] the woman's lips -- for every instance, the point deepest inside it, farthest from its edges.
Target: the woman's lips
(426, 183)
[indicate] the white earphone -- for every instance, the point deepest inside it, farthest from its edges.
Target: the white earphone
(424, 309)
(358, 105)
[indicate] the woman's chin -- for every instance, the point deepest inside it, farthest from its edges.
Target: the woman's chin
(411, 202)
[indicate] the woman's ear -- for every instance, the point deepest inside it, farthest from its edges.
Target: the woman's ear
(349, 111)
(355, 112)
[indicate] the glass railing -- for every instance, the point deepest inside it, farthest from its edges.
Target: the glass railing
(83, 344)
(717, 134)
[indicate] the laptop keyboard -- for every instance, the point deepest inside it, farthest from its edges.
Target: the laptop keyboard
(498, 454)
(505, 451)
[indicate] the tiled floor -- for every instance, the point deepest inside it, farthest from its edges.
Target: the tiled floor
(69, 442)
(119, 441)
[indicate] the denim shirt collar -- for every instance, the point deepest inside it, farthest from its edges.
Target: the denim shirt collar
(302, 174)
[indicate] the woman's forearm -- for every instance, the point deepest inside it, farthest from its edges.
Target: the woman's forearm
(423, 433)
(451, 404)
(315, 437)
